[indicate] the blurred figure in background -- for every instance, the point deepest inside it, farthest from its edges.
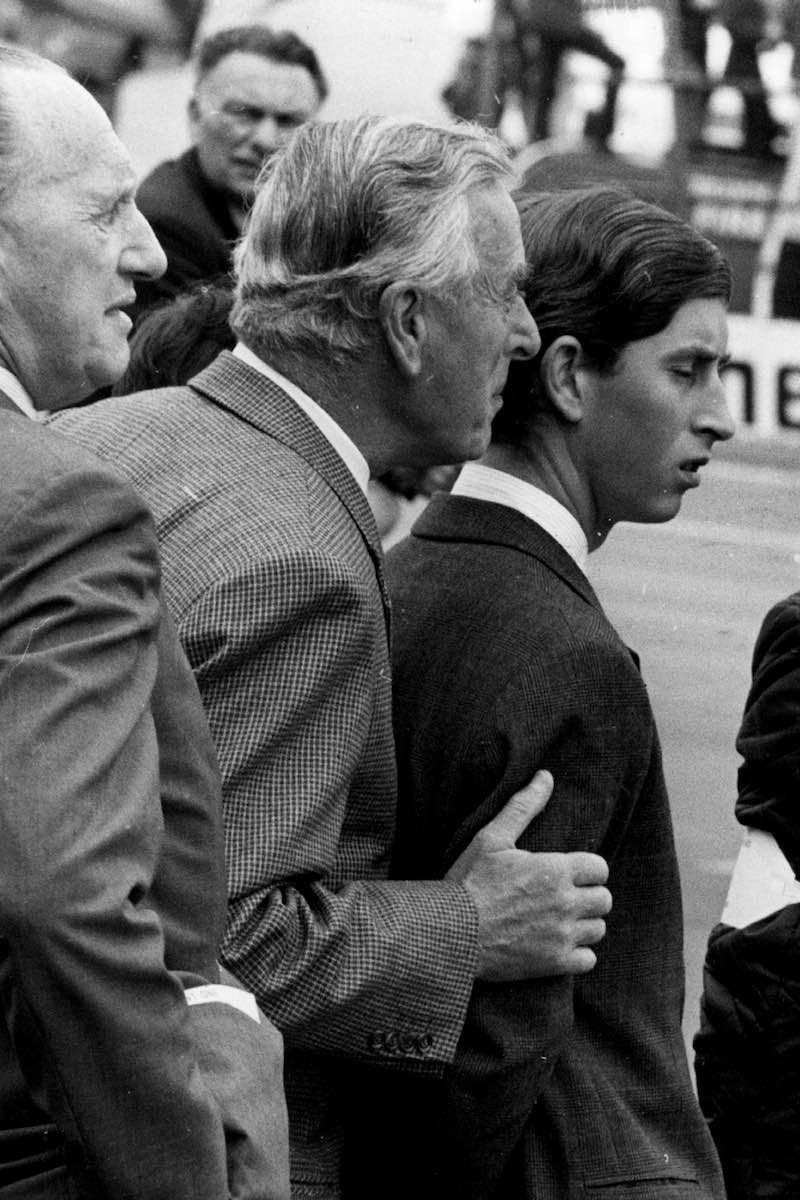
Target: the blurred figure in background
(524, 54)
(745, 21)
(101, 41)
(693, 86)
(253, 88)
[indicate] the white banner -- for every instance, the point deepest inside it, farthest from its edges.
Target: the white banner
(762, 380)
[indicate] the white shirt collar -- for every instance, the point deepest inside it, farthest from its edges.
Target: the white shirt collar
(498, 487)
(17, 393)
(344, 446)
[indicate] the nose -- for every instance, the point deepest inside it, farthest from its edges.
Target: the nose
(142, 256)
(715, 418)
(524, 334)
(266, 135)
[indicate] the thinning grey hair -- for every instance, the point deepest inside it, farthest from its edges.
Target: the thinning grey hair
(14, 151)
(344, 209)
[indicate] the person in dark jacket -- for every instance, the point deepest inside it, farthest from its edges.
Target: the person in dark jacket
(253, 88)
(747, 1051)
(502, 657)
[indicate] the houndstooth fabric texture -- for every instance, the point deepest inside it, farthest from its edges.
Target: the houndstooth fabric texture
(272, 569)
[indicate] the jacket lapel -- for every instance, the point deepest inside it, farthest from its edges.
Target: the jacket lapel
(254, 398)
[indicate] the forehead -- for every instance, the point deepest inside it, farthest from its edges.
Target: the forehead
(495, 228)
(66, 140)
(699, 326)
(251, 78)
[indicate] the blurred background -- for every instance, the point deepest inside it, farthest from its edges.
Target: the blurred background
(693, 103)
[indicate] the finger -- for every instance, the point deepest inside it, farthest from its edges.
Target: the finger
(580, 961)
(591, 902)
(591, 932)
(518, 812)
(587, 869)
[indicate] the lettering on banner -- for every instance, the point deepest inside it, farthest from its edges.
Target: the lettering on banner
(789, 397)
(740, 391)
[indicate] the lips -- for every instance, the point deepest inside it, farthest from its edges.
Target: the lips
(693, 465)
(125, 302)
(248, 166)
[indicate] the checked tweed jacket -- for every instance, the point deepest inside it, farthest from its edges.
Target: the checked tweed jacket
(570, 1088)
(272, 568)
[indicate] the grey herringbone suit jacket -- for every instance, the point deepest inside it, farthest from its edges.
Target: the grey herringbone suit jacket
(272, 568)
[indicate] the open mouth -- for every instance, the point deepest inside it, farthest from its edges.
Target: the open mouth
(692, 465)
(690, 470)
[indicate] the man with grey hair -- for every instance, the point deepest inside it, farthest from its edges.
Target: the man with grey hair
(377, 308)
(127, 1069)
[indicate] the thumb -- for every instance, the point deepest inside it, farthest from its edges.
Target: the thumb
(518, 812)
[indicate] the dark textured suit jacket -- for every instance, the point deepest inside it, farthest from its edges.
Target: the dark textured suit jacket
(273, 571)
(112, 890)
(748, 1045)
(505, 662)
(191, 221)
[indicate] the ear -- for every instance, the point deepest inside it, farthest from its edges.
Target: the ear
(563, 373)
(401, 312)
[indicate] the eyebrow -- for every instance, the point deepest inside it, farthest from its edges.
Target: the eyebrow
(699, 351)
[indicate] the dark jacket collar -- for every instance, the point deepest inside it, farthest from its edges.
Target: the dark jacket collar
(465, 519)
(214, 198)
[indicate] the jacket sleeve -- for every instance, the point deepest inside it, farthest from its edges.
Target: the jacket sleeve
(581, 712)
(372, 969)
(769, 776)
(99, 1025)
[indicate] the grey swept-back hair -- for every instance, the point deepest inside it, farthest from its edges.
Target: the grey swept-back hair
(344, 209)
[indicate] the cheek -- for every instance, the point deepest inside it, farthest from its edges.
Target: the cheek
(217, 142)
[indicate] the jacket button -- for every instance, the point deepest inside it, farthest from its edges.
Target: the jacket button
(407, 1043)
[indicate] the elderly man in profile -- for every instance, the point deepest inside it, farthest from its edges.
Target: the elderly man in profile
(126, 1068)
(253, 87)
(377, 310)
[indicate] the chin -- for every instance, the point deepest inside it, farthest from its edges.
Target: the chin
(476, 448)
(664, 511)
